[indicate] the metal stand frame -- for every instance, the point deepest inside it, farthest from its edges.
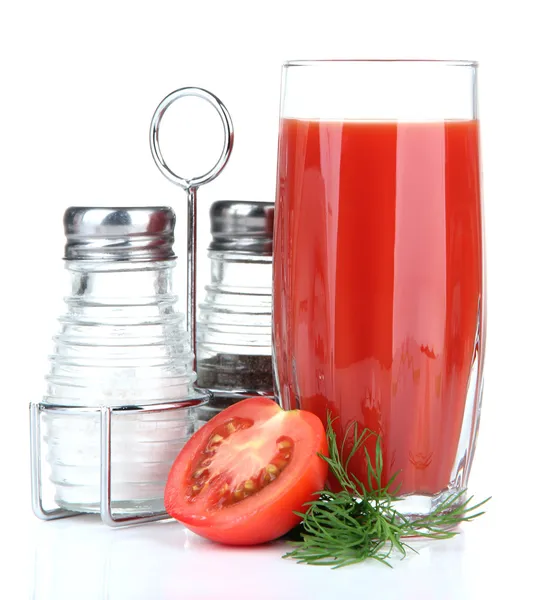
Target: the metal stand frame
(106, 512)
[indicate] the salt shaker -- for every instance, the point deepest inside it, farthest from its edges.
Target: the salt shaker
(234, 330)
(122, 344)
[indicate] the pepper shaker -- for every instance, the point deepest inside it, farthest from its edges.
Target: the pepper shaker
(234, 332)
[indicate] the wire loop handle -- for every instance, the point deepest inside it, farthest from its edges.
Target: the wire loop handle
(228, 140)
(191, 185)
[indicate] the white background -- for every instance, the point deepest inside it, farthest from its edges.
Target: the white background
(79, 83)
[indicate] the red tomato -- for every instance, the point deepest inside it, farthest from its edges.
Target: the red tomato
(241, 476)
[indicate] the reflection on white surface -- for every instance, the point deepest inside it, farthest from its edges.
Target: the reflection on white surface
(82, 558)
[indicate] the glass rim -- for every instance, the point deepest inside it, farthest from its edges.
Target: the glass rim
(385, 61)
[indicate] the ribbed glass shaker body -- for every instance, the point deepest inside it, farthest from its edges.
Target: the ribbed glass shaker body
(234, 331)
(121, 343)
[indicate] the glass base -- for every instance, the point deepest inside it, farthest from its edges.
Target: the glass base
(417, 506)
(217, 404)
(119, 508)
(143, 449)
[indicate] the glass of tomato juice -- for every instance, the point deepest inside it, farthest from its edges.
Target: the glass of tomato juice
(379, 282)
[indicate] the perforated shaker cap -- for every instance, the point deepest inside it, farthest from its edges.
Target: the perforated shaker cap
(241, 226)
(136, 234)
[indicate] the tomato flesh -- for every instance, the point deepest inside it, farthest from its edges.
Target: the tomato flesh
(240, 478)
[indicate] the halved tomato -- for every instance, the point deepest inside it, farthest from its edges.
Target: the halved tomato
(241, 476)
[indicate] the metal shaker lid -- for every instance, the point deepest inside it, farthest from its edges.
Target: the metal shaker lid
(136, 234)
(239, 226)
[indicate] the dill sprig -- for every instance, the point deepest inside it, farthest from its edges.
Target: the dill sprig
(360, 522)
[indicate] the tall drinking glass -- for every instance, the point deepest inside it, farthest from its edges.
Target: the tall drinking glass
(379, 292)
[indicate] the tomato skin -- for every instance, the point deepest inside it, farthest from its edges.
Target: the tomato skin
(268, 514)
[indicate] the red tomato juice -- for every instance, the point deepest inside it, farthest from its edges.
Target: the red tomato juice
(378, 284)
